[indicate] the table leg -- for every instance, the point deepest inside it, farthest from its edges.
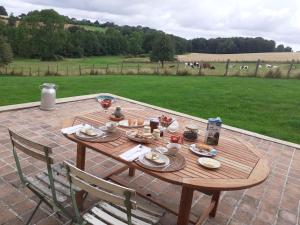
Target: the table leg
(215, 198)
(185, 206)
(131, 171)
(80, 163)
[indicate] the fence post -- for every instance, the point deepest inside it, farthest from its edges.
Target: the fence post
(106, 70)
(177, 68)
(200, 69)
(67, 70)
(290, 68)
(138, 69)
(157, 68)
(38, 71)
(56, 69)
(6, 70)
(93, 70)
(256, 68)
(122, 68)
(30, 71)
(79, 70)
(48, 72)
(227, 66)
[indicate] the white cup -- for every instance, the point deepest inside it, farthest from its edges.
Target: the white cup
(173, 148)
(111, 126)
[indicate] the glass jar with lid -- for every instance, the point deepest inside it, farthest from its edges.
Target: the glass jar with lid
(191, 132)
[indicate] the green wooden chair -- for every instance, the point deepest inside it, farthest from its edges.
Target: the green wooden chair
(116, 206)
(50, 186)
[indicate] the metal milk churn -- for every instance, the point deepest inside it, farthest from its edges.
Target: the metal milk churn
(48, 96)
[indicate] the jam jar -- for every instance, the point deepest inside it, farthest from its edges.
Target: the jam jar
(191, 132)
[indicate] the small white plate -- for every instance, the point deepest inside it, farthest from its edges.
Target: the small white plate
(195, 150)
(147, 162)
(209, 163)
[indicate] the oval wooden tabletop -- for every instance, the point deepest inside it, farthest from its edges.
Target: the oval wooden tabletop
(242, 166)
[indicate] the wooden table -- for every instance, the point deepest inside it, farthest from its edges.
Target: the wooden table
(242, 165)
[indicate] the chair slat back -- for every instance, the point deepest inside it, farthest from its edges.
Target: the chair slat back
(103, 184)
(104, 190)
(30, 144)
(32, 152)
(101, 194)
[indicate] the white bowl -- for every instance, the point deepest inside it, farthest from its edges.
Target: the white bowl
(173, 148)
(111, 126)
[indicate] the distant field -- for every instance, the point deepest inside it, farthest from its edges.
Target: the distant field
(138, 65)
(249, 57)
(266, 106)
(92, 28)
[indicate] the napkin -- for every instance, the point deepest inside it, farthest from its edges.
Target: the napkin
(135, 152)
(74, 129)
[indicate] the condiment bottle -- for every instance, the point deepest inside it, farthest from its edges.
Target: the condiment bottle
(156, 134)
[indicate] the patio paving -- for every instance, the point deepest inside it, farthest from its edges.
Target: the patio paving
(275, 202)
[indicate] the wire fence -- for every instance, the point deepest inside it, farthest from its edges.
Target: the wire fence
(228, 68)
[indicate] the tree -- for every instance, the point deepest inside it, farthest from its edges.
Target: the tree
(45, 31)
(280, 48)
(288, 49)
(3, 11)
(135, 43)
(6, 54)
(162, 49)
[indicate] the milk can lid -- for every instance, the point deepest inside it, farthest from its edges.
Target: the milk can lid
(48, 85)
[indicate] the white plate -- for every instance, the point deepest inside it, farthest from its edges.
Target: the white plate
(84, 136)
(124, 123)
(147, 162)
(129, 135)
(209, 163)
(194, 149)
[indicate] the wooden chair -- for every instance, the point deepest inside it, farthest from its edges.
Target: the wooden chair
(116, 206)
(50, 186)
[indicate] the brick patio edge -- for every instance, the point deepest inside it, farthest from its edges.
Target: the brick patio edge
(84, 97)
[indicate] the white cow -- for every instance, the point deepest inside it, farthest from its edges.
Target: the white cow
(269, 66)
(243, 67)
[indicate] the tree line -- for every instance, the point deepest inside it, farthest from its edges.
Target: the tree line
(44, 34)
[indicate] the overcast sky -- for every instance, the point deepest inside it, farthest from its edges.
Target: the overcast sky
(272, 19)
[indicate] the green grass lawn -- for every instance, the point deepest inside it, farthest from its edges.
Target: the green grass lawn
(266, 106)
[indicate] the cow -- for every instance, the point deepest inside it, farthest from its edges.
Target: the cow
(243, 67)
(269, 66)
(192, 64)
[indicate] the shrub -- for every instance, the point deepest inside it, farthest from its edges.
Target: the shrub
(183, 73)
(236, 74)
(274, 74)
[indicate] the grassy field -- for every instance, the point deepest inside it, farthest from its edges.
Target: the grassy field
(266, 106)
(125, 65)
(92, 28)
